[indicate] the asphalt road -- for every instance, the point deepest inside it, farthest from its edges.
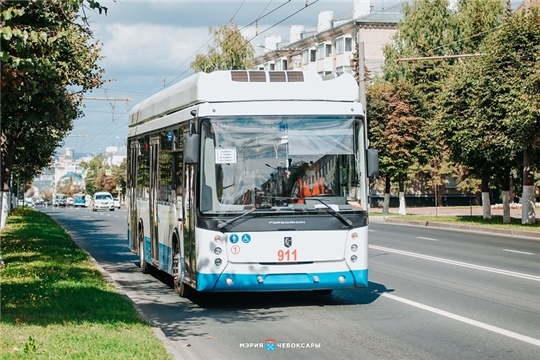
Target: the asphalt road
(433, 294)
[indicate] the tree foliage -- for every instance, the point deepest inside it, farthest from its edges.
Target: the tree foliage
(48, 61)
(433, 28)
(230, 51)
(394, 126)
(490, 107)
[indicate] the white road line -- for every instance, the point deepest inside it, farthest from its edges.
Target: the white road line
(463, 319)
(458, 263)
(518, 252)
(423, 238)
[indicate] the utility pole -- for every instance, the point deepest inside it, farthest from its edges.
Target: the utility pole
(362, 75)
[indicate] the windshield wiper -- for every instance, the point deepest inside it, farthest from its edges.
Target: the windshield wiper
(336, 213)
(230, 221)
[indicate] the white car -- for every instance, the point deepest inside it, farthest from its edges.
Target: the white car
(102, 201)
(116, 202)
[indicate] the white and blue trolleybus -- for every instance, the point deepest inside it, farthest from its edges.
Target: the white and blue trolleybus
(251, 181)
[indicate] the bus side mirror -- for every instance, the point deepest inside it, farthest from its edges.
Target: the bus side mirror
(372, 163)
(191, 148)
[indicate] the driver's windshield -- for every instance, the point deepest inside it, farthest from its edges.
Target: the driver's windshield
(282, 162)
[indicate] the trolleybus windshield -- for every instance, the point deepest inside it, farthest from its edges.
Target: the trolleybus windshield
(282, 163)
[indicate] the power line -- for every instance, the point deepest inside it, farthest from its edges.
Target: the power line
(239, 30)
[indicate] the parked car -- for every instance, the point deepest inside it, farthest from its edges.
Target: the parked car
(69, 201)
(116, 203)
(102, 201)
(62, 202)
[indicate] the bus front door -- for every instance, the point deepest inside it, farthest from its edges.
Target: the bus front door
(153, 198)
(132, 216)
(189, 226)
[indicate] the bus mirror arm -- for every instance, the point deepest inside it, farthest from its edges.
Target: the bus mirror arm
(191, 149)
(372, 163)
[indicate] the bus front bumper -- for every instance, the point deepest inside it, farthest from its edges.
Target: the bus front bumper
(282, 281)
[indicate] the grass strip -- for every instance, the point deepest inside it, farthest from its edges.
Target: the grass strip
(56, 305)
(496, 221)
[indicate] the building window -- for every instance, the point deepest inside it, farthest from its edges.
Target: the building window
(328, 50)
(320, 52)
(348, 44)
(339, 46)
(313, 55)
(305, 57)
(344, 69)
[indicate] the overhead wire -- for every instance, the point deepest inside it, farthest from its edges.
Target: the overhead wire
(149, 91)
(224, 40)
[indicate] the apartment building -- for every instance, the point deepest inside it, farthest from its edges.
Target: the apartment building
(330, 47)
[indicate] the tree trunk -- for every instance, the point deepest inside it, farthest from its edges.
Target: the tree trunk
(7, 152)
(4, 210)
(528, 215)
(386, 203)
(506, 196)
(486, 204)
(402, 205)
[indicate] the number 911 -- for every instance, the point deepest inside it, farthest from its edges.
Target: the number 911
(286, 255)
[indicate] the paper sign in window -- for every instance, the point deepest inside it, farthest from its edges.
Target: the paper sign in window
(225, 156)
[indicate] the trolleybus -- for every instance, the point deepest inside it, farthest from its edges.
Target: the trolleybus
(251, 181)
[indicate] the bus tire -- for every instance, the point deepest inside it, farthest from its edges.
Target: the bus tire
(145, 268)
(177, 279)
(184, 290)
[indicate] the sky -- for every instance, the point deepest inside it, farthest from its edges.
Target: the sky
(148, 45)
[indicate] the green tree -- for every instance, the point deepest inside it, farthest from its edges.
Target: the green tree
(93, 168)
(495, 100)
(230, 51)
(432, 28)
(393, 129)
(120, 176)
(47, 63)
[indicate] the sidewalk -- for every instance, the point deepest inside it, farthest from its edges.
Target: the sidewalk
(451, 211)
(455, 211)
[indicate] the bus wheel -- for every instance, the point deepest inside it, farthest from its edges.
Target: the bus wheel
(184, 290)
(177, 279)
(145, 268)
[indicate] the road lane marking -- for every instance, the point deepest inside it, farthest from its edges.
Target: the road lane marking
(458, 263)
(463, 319)
(518, 252)
(424, 238)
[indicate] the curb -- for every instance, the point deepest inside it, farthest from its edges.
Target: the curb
(158, 332)
(472, 228)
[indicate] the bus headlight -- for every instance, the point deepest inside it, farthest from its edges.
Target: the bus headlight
(228, 281)
(354, 235)
(354, 258)
(217, 238)
(218, 262)
(217, 251)
(341, 279)
(354, 247)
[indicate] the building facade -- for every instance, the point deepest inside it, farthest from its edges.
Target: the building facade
(330, 47)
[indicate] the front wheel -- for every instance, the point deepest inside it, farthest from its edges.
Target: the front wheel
(145, 268)
(177, 279)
